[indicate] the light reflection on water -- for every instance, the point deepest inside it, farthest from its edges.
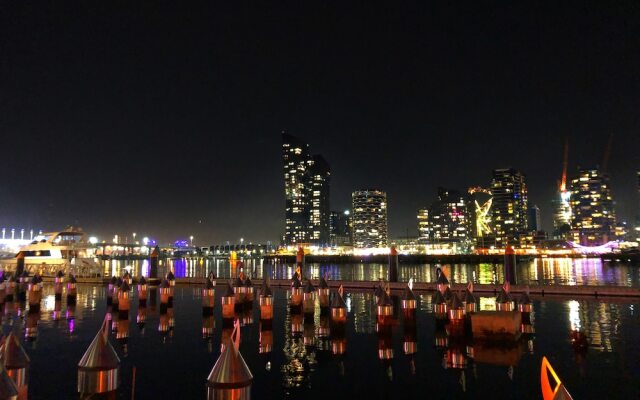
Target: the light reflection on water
(561, 271)
(301, 361)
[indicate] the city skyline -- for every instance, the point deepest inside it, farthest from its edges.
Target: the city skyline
(169, 125)
(317, 166)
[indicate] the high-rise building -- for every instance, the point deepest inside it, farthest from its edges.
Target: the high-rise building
(593, 219)
(562, 214)
(340, 230)
(306, 185)
(534, 223)
(320, 213)
(369, 218)
(509, 191)
(424, 233)
(448, 219)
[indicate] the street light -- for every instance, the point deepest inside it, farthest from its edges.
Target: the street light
(191, 239)
(145, 240)
(134, 237)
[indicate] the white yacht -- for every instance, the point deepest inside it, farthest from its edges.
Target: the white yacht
(67, 250)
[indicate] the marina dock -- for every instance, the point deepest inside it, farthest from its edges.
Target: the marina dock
(595, 291)
(492, 289)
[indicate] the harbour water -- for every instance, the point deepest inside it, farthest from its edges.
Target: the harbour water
(541, 271)
(172, 360)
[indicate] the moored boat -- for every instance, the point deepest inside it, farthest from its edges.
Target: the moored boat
(67, 250)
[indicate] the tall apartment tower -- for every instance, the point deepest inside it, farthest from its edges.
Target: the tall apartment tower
(510, 205)
(593, 218)
(320, 213)
(448, 219)
(306, 187)
(369, 218)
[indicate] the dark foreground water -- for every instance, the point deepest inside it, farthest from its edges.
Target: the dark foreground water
(175, 364)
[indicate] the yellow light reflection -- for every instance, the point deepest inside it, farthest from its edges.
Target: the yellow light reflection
(49, 302)
(574, 315)
(487, 304)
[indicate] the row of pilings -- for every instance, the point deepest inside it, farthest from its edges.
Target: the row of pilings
(231, 375)
(15, 292)
(98, 370)
(467, 335)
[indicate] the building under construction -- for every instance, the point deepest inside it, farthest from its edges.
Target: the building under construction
(561, 204)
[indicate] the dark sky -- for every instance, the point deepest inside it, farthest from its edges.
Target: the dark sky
(164, 118)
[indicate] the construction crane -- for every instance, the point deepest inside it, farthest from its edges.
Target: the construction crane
(565, 163)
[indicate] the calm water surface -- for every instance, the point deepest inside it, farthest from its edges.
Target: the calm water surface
(561, 271)
(176, 364)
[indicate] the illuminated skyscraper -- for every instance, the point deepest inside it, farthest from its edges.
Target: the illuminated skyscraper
(593, 219)
(369, 218)
(562, 215)
(448, 218)
(510, 205)
(306, 185)
(320, 213)
(423, 225)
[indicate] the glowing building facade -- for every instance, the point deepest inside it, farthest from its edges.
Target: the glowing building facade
(593, 219)
(448, 219)
(320, 213)
(306, 185)
(510, 205)
(424, 232)
(562, 215)
(369, 218)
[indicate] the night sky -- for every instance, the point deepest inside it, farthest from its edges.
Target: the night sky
(165, 118)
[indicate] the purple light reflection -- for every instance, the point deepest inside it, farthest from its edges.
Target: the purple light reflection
(180, 267)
